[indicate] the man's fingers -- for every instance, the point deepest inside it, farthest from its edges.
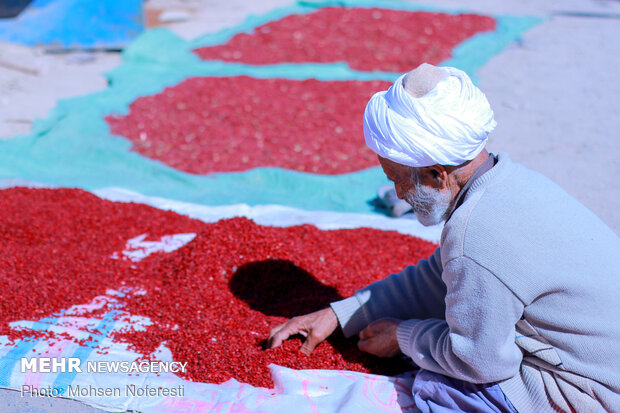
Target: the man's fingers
(364, 334)
(380, 338)
(274, 341)
(279, 334)
(310, 344)
(314, 326)
(272, 334)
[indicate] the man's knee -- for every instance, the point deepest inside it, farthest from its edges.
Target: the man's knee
(436, 393)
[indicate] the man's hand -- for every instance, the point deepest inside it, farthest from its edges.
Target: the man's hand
(379, 338)
(316, 327)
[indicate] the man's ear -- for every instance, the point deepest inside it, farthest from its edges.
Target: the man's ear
(435, 176)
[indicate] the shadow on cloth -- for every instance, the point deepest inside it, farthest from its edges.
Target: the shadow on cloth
(281, 288)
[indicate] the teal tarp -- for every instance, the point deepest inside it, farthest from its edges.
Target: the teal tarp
(73, 147)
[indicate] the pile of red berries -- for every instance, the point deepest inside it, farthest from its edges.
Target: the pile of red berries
(212, 301)
(368, 39)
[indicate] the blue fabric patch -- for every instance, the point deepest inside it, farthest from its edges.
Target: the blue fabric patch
(75, 24)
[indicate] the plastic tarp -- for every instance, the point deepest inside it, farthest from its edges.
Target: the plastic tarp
(73, 147)
(75, 24)
(310, 391)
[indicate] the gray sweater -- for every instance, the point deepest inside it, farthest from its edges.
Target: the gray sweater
(523, 291)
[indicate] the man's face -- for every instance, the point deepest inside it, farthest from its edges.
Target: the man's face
(431, 205)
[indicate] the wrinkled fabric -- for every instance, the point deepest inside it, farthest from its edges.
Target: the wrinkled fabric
(434, 393)
(447, 126)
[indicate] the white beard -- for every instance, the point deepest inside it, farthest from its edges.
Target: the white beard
(430, 205)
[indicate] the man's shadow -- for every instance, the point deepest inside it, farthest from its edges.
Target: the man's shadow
(281, 288)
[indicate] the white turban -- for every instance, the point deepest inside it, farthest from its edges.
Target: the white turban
(447, 126)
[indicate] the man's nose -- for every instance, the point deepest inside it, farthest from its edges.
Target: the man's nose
(400, 193)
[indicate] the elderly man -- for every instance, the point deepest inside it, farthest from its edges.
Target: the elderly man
(518, 309)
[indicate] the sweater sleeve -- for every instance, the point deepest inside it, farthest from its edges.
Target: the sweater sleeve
(416, 292)
(476, 341)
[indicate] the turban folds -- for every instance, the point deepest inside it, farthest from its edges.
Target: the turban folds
(448, 126)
